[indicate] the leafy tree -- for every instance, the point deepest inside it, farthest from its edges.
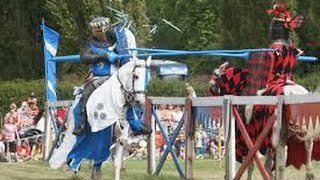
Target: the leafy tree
(206, 24)
(72, 20)
(137, 10)
(20, 54)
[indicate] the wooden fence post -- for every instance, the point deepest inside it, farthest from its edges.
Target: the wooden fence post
(189, 134)
(282, 140)
(229, 136)
(47, 132)
(151, 157)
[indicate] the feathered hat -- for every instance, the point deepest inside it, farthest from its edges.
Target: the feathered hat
(280, 13)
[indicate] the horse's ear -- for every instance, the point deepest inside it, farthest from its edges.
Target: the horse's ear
(148, 62)
(136, 60)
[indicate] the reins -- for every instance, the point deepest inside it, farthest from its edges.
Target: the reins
(129, 95)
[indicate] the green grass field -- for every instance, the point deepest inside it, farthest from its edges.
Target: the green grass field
(136, 170)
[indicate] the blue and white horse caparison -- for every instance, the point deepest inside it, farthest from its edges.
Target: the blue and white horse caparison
(106, 109)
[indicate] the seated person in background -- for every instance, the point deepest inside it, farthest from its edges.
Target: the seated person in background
(36, 152)
(23, 150)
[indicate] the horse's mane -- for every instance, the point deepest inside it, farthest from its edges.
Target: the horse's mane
(129, 64)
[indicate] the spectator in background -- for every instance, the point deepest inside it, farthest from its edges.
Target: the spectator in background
(36, 152)
(200, 136)
(213, 147)
(33, 109)
(159, 143)
(10, 133)
(33, 98)
(60, 115)
(24, 150)
(165, 117)
(14, 114)
(176, 116)
(2, 149)
(179, 145)
(25, 119)
(141, 151)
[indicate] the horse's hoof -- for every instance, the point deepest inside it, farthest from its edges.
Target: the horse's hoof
(310, 176)
(123, 170)
(75, 177)
(96, 174)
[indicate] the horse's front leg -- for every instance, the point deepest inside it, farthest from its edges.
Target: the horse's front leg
(250, 170)
(96, 171)
(309, 147)
(281, 159)
(269, 162)
(123, 166)
(118, 158)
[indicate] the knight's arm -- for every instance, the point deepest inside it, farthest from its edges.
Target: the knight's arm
(88, 57)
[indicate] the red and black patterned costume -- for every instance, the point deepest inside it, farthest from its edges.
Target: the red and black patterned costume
(282, 63)
(271, 71)
(232, 81)
(281, 66)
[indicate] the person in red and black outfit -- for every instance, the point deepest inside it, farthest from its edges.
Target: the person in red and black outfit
(282, 61)
(286, 55)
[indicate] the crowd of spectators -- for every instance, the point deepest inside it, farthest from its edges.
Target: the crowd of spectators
(13, 147)
(28, 115)
(206, 143)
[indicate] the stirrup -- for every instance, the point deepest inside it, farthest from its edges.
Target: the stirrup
(79, 131)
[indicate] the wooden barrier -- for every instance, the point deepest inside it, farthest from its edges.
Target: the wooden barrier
(227, 103)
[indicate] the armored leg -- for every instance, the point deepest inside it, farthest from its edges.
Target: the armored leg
(82, 126)
(87, 91)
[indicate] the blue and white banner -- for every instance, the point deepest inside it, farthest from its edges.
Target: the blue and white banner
(125, 40)
(51, 41)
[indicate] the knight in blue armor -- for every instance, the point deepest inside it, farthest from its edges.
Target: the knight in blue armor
(96, 54)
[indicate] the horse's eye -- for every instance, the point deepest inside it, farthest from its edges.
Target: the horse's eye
(135, 76)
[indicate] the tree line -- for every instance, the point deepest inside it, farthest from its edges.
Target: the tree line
(204, 24)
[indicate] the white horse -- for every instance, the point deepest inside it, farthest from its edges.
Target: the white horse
(308, 139)
(106, 110)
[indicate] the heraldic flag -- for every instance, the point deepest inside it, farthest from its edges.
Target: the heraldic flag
(51, 41)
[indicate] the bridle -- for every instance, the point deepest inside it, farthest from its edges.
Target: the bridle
(130, 95)
(216, 87)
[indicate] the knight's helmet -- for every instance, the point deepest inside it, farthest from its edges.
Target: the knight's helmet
(100, 24)
(282, 22)
(278, 31)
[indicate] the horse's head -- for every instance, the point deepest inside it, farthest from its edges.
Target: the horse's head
(140, 79)
(134, 81)
(215, 89)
